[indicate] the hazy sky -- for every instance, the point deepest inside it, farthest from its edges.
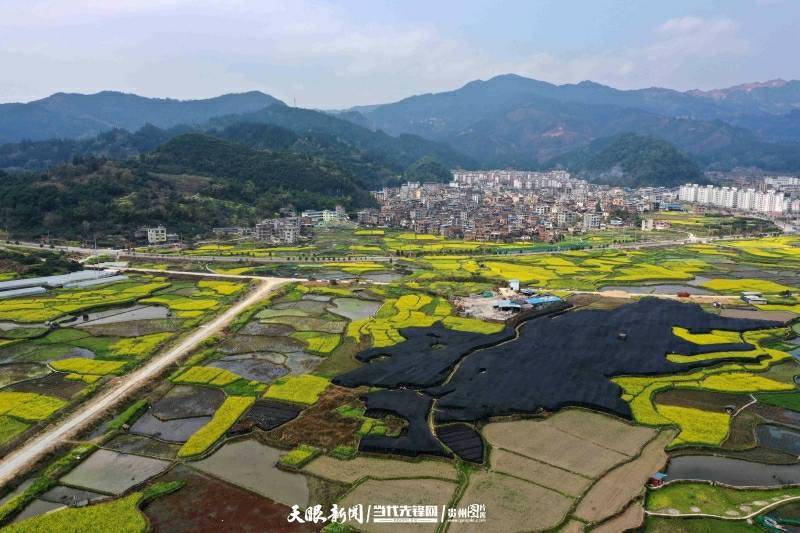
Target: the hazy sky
(338, 54)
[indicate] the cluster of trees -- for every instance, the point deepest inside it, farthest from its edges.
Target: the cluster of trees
(36, 263)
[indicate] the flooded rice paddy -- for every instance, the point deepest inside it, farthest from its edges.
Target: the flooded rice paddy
(734, 472)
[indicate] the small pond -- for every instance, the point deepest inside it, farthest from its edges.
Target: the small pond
(734, 472)
(124, 314)
(354, 308)
(779, 438)
(382, 277)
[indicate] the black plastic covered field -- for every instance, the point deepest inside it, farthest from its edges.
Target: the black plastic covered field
(414, 439)
(423, 360)
(464, 440)
(269, 414)
(556, 361)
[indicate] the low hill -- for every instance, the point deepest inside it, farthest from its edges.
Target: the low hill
(190, 184)
(244, 169)
(631, 160)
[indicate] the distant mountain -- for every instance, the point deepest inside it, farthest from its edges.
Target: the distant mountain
(395, 152)
(506, 121)
(631, 160)
(515, 121)
(74, 116)
(769, 97)
(783, 128)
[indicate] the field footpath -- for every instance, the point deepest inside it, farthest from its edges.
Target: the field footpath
(206, 274)
(724, 517)
(18, 461)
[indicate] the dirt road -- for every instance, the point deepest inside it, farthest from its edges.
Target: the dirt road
(696, 298)
(16, 462)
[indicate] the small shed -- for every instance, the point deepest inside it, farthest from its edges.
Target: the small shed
(539, 301)
(507, 305)
(513, 284)
(753, 298)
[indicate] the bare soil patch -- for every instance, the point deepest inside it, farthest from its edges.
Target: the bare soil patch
(207, 504)
(320, 425)
(543, 474)
(511, 504)
(401, 492)
(51, 385)
(701, 399)
(250, 464)
(354, 469)
(780, 316)
(543, 442)
(614, 491)
(601, 429)
(573, 526)
(632, 518)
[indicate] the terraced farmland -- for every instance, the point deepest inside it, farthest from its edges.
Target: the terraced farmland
(392, 393)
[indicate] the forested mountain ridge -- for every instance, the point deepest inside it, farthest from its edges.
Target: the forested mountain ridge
(507, 121)
(510, 120)
(395, 152)
(375, 157)
(74, 116)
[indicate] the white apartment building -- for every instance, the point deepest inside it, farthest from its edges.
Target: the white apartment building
(157, 235)
(284, 230)
(592, 220)
(688, 193)
(733, 198)
(746, 199)
(325, 216)
(782, 181)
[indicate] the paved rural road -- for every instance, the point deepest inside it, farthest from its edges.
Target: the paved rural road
(697, 298)
(19, 460)
(207, 274)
